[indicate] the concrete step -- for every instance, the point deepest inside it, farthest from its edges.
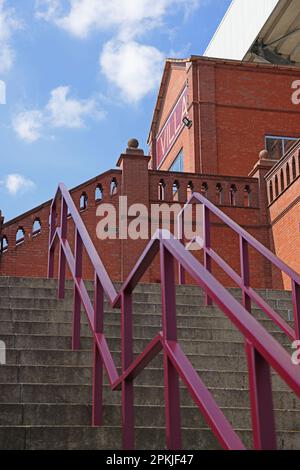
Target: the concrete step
(19, 341)
(144, 395)
(34, 414)
(109, 437)
(193, 301)
(85, 358)
(155, 288)
(142, 331)
(208, 315)
(82, 375)
(143, 314)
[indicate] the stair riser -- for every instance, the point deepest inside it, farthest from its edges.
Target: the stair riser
(81, 415)
(61, 329)
(205, 318)
(85, 358)
(62, 342)
(192, 301)
(82, 394)
(150, 377)
(86, 438)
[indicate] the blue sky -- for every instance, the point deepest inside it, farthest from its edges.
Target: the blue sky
(81, 79)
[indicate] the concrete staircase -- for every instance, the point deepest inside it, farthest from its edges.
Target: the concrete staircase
(45, 388)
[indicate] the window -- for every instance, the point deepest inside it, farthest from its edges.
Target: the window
(161, 190)
(278, 146)
(83, 201)
(189, 190)
(99, 193)
(175, 191)
(232, 194)
(3, 244)
(36, 227)
(177, 165)
(20, 235)
(113, 187)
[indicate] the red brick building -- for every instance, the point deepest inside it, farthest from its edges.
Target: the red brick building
(211, 121)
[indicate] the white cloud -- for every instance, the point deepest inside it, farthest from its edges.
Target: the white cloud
(60, 112)
(15, 183)
(129, 17)
(28, 125)
(8, 24)
(69, 112)
(134, 68)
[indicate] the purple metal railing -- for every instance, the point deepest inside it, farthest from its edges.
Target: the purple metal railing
(263, 348)
(243, 280)
(261, 400)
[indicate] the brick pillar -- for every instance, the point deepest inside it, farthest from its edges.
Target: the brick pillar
(134, 185)
(259, 171)
(202, 83)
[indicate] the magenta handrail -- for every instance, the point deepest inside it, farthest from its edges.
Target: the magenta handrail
(243, 280)
(263, 350)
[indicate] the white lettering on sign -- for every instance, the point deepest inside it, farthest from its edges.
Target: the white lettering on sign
(296, 94)
(172, 128)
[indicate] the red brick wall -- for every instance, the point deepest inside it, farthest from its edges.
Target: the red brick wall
(140, 185)
(233, 106)
(285, 220)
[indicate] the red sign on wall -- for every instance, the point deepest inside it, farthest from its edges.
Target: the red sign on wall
(172, 128)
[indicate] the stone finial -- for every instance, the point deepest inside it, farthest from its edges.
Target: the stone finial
(133, 144)
(264, 155)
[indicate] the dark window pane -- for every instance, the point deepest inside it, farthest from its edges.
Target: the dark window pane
(288, 143)
(274, 147)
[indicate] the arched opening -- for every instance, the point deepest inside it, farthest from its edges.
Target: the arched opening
(220, 193)
(271, 194)
(204, 189)
(276, 186)
(294, 172)
(20, 235)
(189, 190)
(161, 190)
(288, 175)
(232, 194)
(99, 193)
(247, 196)
(83, 201)
(113, 187)
(175, 191)
(3, 244)
(36, 227)
(281, 180)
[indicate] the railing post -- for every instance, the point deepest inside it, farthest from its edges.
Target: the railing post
(62, 256)
(245, 272)
(98, 362)
(51, 253)
(171, 381)
(261, 399)
(296, 305)
(127, 358)
(207, 245)
(77, 299)
(181, 270)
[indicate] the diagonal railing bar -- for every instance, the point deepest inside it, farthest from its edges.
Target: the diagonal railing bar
(143, 360)
(243, 280)
(203, 398)
(263, 350)
(249, 291)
